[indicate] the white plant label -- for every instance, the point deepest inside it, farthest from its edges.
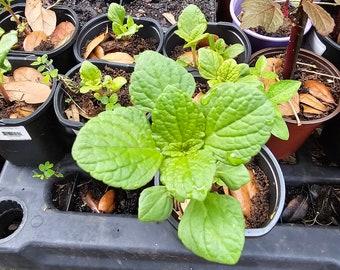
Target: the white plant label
(18, 133)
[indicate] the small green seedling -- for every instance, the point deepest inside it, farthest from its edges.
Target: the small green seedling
(5, 5)
(116, 14)
(47, 171)
(104, 88)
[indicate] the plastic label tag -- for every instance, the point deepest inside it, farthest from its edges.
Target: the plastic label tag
(18, 133)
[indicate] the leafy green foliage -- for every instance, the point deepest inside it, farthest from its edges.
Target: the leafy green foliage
(104, 88)
(47, 170)
(192, 146)
(44, 67)
(116, 14)
(6, 43)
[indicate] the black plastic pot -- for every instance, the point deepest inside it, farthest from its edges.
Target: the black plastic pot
(151, 29)
(267, 162)
(72, 127)
(36, 138)
(229, 32)
(63, 57)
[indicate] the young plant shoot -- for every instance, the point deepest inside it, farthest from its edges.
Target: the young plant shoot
(192, 145)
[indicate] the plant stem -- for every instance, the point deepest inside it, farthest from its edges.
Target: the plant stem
(294, 45)
(18, 22)
(194, 58)
(4, 93)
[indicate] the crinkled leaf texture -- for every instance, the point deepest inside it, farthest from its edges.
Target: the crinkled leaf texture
(176, 119)
(266, 13)
(214, 228)
(117, 148)
(155, 204)
(239, 121)
(152, 73)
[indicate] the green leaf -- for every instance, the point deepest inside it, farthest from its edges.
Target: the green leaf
(90, 76)
(116, 13)
(233, 176)
(189, 176)
(152, 73)
(214, 228)
(117, 148)
(176, 118)
(239, 121)
(228, 71)
(191, 24)
(280, 129)
(266, 13)
(114, 84)
(282, 91)
(233, 51)
(6, 43)
(155, 204)
(208, 63)
(321, 20)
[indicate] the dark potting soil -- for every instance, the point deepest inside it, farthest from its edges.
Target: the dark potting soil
(69, 193)
(315, 204)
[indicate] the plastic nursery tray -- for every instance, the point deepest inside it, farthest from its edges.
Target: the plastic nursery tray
(47, 238)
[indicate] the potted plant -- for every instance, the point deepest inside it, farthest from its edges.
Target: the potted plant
(114, 37)
(270, 36)
(89, 88)
(288, 69)
(193, 31)
(30, 133)
(199, 153)
(327, 46)
(42, 30)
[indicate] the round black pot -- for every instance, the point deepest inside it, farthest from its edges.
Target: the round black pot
(63, 57)
(151, 29)
(72, 127)
(36, 138)
(229, 32)
(268, 163)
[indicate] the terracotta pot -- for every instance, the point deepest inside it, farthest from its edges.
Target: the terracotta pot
(298, 134)
(258, 41)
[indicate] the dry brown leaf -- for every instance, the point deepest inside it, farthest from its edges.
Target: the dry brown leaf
(95, 42)
(39, 18)
(119, 57)
(273, 64)
(286, 109)
(197, 98)
(170, 17)
(187, 58)
(320, 91)
(309, 111)
(205, 42)
(33, 40)
(30, 92)
(8, 79)
(28, 74)
(90, 201)
(92, 56)
(107, 202)
(313, 102)
(99, 52)
(62, 33)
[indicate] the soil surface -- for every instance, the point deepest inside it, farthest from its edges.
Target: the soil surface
(88, 9)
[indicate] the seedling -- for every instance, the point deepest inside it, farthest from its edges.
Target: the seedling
(116, 14)
(104, 88)
(47, 170)
(192, 26)
(192, 146)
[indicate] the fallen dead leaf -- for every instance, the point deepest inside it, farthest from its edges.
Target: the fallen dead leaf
(187, 58)
(286, 109)
(107, 202)
(313, 102)
(309, 111)
(119, 57)
(28, 74)
(30, 92)
(320, 91)
(95, 42)
(39, 18)
(33, 40)
(62, 33)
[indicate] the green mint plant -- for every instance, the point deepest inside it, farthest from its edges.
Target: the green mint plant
(116, 14)
(46, 171)
(5, 5)
(192, 145)
(192, 26)
(104, 88)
